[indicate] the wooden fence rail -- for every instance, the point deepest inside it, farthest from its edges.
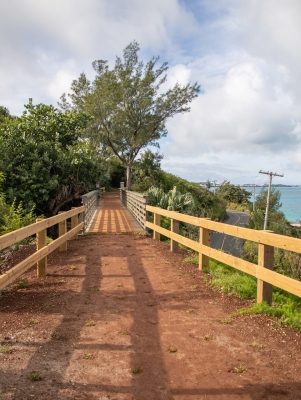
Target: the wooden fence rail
(40, 256)
(266, 240)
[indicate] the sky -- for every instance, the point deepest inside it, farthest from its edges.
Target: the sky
(244, 54)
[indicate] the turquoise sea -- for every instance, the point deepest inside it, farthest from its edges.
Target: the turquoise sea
(290, 199)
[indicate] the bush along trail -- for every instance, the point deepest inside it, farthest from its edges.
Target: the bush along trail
(121, 317)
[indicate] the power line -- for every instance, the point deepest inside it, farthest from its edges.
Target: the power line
(271, 174)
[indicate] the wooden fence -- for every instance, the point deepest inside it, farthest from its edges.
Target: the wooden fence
(266, 240)
(135, 203)
(43, 249)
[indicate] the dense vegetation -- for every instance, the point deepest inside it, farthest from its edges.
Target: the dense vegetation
(45, 162)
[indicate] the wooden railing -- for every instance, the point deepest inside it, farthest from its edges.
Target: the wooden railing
(135, 203)
(91, 202)
(266, 240)
(43, 249)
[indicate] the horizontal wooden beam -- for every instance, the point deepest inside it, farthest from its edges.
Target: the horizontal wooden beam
(263, 237)
(274, 278)
(19, 269)
(10, 238)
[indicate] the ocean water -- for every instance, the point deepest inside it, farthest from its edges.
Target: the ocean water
(290, 199)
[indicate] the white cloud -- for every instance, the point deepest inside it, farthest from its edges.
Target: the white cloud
(243, 53)
(44, 43)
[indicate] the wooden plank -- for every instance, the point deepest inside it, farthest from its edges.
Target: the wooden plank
(41, 241)
(283, 282)
(62, 232)
(19, 269)
(10, 238)
(173, 214)
(265, 260)
(275, 240)
(157, 222)
(218, 255)
(174, 227)
(74, 222)
(205, 240)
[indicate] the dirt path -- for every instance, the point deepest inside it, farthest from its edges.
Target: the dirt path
(120, 317)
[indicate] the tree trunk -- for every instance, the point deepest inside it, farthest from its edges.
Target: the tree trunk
(128, 176)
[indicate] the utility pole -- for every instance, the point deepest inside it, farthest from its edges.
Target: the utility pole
(253, 197)
(271, 174)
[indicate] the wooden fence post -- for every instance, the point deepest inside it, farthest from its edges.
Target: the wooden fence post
(62, 231)
(41, 242)
(157, 221)
(205, 240)
(74, 223)
(174, 227)
(265, 260)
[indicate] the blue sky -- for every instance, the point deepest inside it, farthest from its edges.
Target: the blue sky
(244, 54)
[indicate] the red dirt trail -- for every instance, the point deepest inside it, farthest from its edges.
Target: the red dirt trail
(121, 317)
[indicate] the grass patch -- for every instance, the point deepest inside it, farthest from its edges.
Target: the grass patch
(239, 369)
(285, 307)
(226, 321)
(57, 335)
(88, 356)
(5, 349)
(90, 323)
(33, 321)
(137, 369)
(23, 283)
(258, 346)
(34, 376)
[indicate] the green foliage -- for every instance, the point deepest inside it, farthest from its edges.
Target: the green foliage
(233, 194)
(129, 110)
(207, 204)
(34, 376)
(146, 171)
(230, 280)
(4, 115)
(286, 306)
(45, 162)
(13, 216)
(172, 200)
(276, 220)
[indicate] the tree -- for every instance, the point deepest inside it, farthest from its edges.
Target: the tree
(129, 110)
(208, 185)
(45, 162)
(232, 193)
(277, 221)
(4, 114)
(146, 170)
